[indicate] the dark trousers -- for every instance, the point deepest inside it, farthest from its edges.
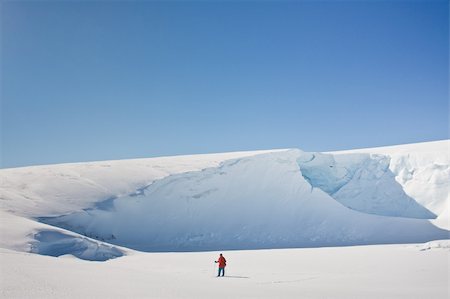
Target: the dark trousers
(221, 270)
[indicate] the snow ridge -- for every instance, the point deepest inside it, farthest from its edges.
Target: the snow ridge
(270, 199)
(55, 243)
(259, 202)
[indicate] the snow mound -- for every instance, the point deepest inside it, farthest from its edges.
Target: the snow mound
(433, 245)
(55, 243)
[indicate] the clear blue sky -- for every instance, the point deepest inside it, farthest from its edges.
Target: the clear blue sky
(84, 81)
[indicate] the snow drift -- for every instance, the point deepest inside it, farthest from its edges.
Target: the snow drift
(55, 243)
(249, 200)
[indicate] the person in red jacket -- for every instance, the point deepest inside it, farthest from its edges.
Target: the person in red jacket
(222, 263)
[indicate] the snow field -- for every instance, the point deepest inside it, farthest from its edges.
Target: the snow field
(92, 215)
(380, 271)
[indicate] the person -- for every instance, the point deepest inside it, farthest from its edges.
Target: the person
(222, 264)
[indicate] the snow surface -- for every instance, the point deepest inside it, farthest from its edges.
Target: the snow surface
(381, 271)
(104, 211)
(362, 182)
(250, 203)
(423, 171)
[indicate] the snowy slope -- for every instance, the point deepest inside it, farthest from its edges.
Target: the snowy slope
(258, 202)
(247, 200)
(30, 192)
(64, 188)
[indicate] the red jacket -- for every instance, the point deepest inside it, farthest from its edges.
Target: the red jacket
(222, 262)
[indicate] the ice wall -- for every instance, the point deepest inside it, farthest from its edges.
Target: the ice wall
(285, 199)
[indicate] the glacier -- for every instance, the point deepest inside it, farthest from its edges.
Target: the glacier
(246, 200)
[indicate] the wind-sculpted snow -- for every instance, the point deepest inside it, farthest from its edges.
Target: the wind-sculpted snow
(423, 171)
(257, 202)
(55, 243)
(63, 188)
(435, 245)
(362, 182)
(272, 199)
